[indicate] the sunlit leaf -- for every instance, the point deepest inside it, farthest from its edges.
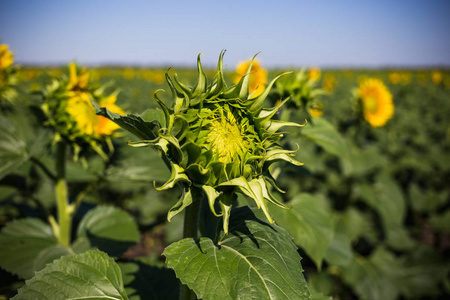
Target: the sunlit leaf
(90, 275)
(309, 221)
(255, 260)
(109, 229)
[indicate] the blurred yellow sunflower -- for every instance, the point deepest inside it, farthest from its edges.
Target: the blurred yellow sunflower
(314, 73)
(376, 102)
(258, 76)
(329, 82)
(406, 77)
(395, 77)
(316, 110)
(436, 77)
(77, 82)
(6, 57)
(87, 122)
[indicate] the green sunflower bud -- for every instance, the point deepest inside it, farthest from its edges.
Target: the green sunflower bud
(217, 140)
(302, 87)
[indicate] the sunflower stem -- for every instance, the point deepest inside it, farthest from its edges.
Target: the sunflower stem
(190, 230)
(62, 198)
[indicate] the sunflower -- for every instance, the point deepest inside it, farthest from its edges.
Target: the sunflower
(376, 102)
(329, 82)
(218, 141)
(436, 77)
(8, 76)
(316, 110)
(87, 122)
(80, 108)
(68, 107)
(78, 80)
(258, 76)
(395, 77)
(314, 73)
(6, 57)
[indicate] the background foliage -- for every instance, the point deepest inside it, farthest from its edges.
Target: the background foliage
(370, 209)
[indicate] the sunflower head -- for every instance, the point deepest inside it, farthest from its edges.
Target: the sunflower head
(8, 75)
(316, 110)
(436, 77)
(217, 139)
(395, 77)
(329, 82)
(67, 105)
(78, 79)
(376, 102)
(314, 74)
(6, 57)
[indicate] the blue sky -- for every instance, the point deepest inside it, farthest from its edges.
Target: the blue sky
(345, 33)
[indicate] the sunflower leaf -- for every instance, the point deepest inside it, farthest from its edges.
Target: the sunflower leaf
(109, 229)
(24, 243)
(133, 124)
(254, 261)
(309, 221)
(90, 275)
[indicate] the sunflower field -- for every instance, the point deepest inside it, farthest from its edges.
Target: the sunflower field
(223, 183)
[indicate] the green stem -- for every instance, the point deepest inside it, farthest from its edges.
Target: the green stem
(190, 230)
(62, 197)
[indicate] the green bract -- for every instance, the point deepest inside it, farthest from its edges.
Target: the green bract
(218, 141)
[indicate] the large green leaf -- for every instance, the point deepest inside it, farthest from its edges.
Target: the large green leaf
(375, 277)
(90, 275)
(143, 281)
(339, 251)
(27, 245)
(386, 197)
(133, 124)
(109, 229)
(19, 143)
(310, 222)
(362, 161)
(441, 222)
(425, 271)
(254, 261)
(354, 223)
(398, 238)
(12, 148)
(150, 115)
(325, 135)
(320, 282)
(354, 161)
(138, 165)
(428, 200)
